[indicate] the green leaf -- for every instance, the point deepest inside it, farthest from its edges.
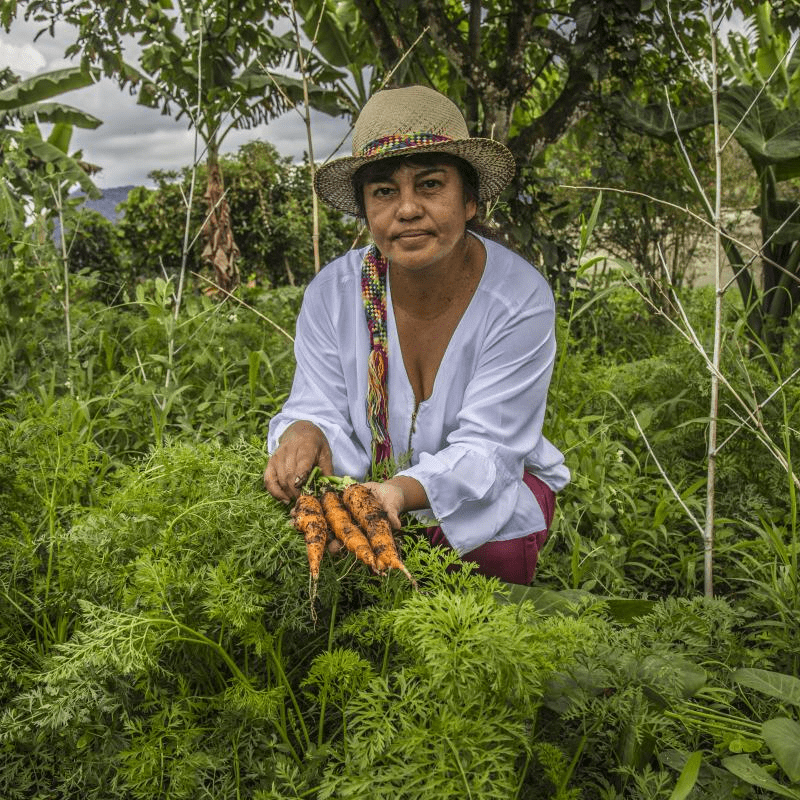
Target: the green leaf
(332, 41)
(11, 212)
(688, 776)
(783, 216)
(774, 684)
(769, 135)
(782, 735)
(746, 769)
(60, 137)
(588, 227)
(51, 112)
(45, 86)
(628, 610)
(742, 744)
(723, 780)
(595, 298)
(656, 120)
(658, 673)
(547, 601)
(787, 171)
(585, 266)
(69, 167)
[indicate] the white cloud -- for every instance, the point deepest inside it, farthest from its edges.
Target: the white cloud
(26, 53)
(23, 59)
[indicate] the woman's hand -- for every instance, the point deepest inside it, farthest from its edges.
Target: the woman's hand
(397, 495)
(391, 498)
(302, 447)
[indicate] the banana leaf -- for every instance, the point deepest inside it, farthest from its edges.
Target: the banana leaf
(44, 86)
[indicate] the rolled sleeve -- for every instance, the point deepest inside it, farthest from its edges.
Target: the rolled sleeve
(320, 393)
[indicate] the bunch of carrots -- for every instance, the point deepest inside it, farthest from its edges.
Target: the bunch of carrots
(351, 514)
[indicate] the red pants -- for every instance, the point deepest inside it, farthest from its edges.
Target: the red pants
(513, 560)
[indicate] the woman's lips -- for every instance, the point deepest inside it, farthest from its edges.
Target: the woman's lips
(412, 234)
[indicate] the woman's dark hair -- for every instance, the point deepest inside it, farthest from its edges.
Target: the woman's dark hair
(384, 169)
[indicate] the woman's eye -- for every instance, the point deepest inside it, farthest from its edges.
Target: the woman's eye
(430, 183)
(382, 191)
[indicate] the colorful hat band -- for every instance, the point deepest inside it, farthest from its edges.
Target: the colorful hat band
(400, 141)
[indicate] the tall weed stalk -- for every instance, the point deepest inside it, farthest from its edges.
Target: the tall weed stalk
(307, 120)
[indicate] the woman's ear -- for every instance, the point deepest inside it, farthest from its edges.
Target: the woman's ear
(470, 207)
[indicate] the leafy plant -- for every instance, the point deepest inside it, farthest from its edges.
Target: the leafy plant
(271, 220)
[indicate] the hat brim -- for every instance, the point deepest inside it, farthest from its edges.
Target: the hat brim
(492, 161)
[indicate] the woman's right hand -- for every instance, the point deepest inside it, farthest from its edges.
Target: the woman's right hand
(302, 447)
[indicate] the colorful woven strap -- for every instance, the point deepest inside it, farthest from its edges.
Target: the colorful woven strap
(401, 141)
(373, 293)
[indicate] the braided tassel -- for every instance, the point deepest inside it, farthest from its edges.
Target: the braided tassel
(373, 293)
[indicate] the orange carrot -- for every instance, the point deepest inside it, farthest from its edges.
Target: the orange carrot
(343, 528)
(373, 521)
(309, 519)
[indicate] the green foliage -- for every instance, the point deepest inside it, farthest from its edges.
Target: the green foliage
(157, 634)
(228, 371)
(94, 248)
(643, 220)
(271, 199)
(452, 721)
(271, 212)
(34, 169)
(184, 49)
(156, 621)
(190, 639)
(151, 234)
(619, 524)
(156, 637)
(23, 101)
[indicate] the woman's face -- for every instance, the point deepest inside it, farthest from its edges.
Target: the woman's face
(417, 216)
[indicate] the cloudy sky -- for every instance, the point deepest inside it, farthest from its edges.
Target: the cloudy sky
(134, 140)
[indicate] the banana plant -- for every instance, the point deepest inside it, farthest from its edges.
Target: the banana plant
(217, 64)
(38, 173)
(766, 58)
(25, 155)
(345, 53)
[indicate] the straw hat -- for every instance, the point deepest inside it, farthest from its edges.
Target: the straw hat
(396, 122)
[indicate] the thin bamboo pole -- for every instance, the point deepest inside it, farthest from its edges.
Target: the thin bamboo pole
(307, 118)
(65, 269)
(713, 414)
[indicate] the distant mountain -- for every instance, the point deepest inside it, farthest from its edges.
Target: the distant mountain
(107, 203)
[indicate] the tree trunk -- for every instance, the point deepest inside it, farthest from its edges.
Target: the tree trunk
(474, 45)
(220, 252)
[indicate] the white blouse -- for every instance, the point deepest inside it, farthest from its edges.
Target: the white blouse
(471, 440)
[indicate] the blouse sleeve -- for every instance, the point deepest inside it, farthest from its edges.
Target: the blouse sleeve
(319, 389)
(474, 484)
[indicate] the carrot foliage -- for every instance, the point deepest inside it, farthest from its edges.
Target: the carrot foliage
(157, 643)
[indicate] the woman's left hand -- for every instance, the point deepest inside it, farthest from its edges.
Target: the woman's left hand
(397, 495)
(391, 498)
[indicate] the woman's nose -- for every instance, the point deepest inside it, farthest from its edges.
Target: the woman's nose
(408, 206)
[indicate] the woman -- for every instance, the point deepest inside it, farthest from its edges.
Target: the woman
(434, 346)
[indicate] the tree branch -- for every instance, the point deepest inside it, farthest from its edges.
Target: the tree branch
(390, 48)
(558, 118)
